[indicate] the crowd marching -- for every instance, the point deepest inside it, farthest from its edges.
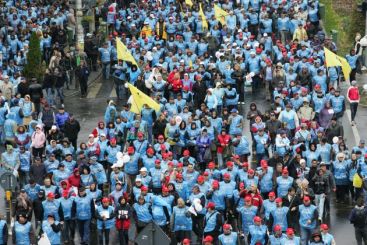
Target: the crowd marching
(189, 166)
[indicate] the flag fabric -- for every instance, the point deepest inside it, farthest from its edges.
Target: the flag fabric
(331, 59)
(220, 14)
(123, 53)
(139, 99)
(203, 18)
(345, 67)
(189, 2)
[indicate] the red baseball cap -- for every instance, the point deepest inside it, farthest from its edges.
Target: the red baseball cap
(208, 239)
(171, 164)
(178, 176)
(245, 164)
(150, 151)
(226, 176)
(144, 188)
(324, 227)
(180, 165)
(257, 219)
(140, 134)
(201, 178)
(278, 200)
(51, 195)
(229, 164)
(285, 171)
(250, 171)
(211, 165)
(215, 183)
(248, 199)
(186, 153)
(306, 199)
(157, 161)
(290, 231)
(130, 150)
(211, 205)
(242, 185)
(105, 200)
(272, 194)
(226, 226)
(277, 228)
(186, 241)
(165, 189)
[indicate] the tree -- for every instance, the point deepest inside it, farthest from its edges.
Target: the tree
(34, 67)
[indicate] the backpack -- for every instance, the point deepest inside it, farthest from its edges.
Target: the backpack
(359, 218)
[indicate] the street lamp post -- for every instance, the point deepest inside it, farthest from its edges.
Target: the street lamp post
(79, 27)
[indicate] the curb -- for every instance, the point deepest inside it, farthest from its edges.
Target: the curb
(89, 84)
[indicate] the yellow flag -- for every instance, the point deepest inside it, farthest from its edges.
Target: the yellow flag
(220, 14)
(345, 67)
(139, 99)
(189, 2)
(331, 59)
(203, 18)
(190, 63)
(123, 53)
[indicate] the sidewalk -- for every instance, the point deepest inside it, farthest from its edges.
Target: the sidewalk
(361, 117)
(93, 77)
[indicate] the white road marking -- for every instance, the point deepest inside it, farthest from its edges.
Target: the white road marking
(92, 94)
(113, 93)
(354, 128)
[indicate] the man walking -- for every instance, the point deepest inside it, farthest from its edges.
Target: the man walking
(358, 218)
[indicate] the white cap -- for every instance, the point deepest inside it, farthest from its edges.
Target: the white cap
(182, 61)
(234, 44)
(143, 169)
(252, 52)
(265, 34)
(102, 135)
(53, 127)
(239, 30)
(170, 18)
(133, 24)
(5, 76)
(152, 15)
(138, 179)
(129, 17)
(302, 161)
(91, 135)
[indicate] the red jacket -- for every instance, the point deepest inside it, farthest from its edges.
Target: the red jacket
(223, 139)
(353, 94)
(257, 200)
(74, 180)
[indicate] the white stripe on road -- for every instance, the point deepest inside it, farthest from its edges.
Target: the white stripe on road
(92, 94)
(113, 93)
(354, 128)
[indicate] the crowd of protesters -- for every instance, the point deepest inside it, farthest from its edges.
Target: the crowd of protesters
(190, 168)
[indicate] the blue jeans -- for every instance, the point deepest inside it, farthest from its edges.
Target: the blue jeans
(305, 235)
(84, 230)
(106, 67)
(60, 93)
(50, 96)
(1, 134)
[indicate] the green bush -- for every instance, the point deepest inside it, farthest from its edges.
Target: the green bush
(34, 67)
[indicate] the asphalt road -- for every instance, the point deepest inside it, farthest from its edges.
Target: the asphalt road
(90, 110)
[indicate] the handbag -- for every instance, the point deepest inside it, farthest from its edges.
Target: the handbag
(207, 154)
(357, 181)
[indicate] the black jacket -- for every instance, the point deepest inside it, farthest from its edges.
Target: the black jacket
(71, 129)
